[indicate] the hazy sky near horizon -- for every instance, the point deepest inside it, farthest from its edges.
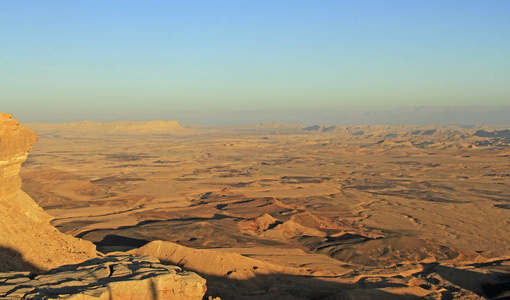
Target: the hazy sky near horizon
(75, 58)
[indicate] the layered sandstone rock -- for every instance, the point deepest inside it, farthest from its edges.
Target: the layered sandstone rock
(110, 277)
(27, 240)
(15, 142)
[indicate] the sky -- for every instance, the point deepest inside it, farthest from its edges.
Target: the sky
(114, 60)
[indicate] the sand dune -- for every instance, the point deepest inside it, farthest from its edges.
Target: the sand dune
(213, 262)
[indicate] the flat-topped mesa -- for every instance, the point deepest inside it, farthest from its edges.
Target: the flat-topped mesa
(120, 127)
(27, 240)
(144, 127)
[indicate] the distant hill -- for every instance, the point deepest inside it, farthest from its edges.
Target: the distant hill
(395, 131)
(496, 133)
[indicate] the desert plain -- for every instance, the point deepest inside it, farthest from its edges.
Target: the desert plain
(276, 211)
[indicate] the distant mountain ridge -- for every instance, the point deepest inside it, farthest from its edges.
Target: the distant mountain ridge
(427, 115)
(495, 134)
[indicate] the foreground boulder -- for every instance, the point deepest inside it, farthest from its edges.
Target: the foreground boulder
(120, 277)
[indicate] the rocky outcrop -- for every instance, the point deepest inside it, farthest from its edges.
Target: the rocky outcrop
(110, 277)
(15, 142)
(27, 240)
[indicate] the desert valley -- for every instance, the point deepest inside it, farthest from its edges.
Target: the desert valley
(255, 150)
(267, 211)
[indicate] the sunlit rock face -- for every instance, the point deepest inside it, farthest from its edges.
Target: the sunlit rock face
(15, 143)
(27, 240)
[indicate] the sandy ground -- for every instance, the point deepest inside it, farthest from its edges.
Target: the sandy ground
(340, 206)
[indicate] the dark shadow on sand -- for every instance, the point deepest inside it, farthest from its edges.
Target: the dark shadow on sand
(147, 222)
(283, 286)
(121, 241)
(12, 260)
(489, 284)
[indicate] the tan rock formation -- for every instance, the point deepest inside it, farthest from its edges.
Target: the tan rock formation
(111, 277)
(15, 142)
(27, 240)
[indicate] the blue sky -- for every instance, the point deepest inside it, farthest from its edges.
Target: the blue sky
(70, 60)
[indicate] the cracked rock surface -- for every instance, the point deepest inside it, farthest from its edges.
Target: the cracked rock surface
(108, 277)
